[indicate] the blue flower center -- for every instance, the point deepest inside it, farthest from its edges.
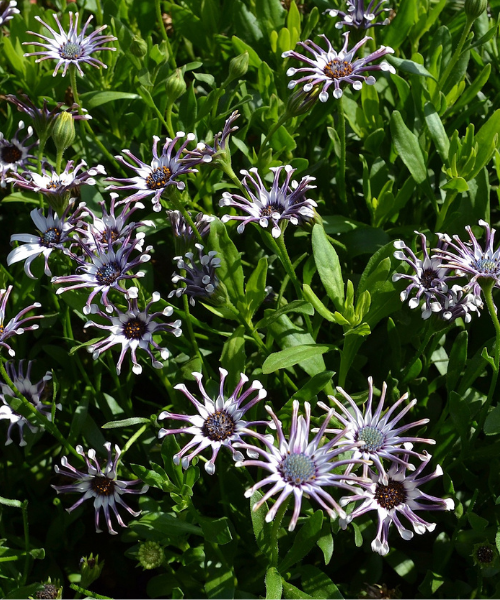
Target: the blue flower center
(134, 329)
(50, 237)
(297, 468)
(218, 426)
(372, 437)
(486, 265)
(391, 495)
(336, 69)
(158, 178)
(71, 51)
(108, 274)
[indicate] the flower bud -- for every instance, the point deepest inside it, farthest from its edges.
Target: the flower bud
(238, 67)
(63, 132)
(485, 555)
(150, 555)
(176, 86)
(90, 569)
(138, 47)
(475, 8)
(301, 102)
(50, 590)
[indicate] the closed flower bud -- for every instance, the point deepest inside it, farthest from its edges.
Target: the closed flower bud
(150, 555)
(90, 569)
(301, 102)
(138, 47)
(475, 8)
(176, 86)
(238, 67)
(63, 132)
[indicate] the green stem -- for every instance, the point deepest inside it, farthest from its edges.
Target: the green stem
(58, 161)
(160, 20)
(98, 12)
(136, 435)
(189, 326)
(228, 170)
(428, 333)
(341, 168)
(24, 509)
(271, 132)
(456, 55)
(279, 247)
(448, 201)
(168, 122)
(275, 530)
(248, 325)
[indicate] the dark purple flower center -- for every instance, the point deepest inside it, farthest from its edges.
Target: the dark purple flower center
(391, 495)
(218, 426)
(336, 69)
(268, 210)
(372, 437)
(71, 51)
(159, 178)
(102, 486)
(485, 554)
(427, 278)
(50, 237)
(108, 274)
(134, 329)
(11, 153)
(297, 468)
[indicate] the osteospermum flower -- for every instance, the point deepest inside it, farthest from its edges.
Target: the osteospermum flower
(379, 437)
(358, 16)
(100, 484)
(16, 326)
(327, 67)
(299, 466)
(181, 228)
(53, 233)
(31, 391)
(15, 153)
(8, 8)
(460, 302)
(219, 422)
(399, 495)
(470, 259)
(134, 329)
(104, 271)
(164, 170)
(71, 48)
(200, 279)
(282, 203)
(220, 142)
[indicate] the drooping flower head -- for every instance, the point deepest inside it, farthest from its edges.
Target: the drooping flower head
(71, 48)
(358, 16)
(219, 422)
(164, 170)
(200, 280)
(16, 326)
(327, 67)
(399, 495)
(134, 329)
(100, 484)
(103, 269)
(8, 8)
(221, 139)
(470, 260)
(460, 302)
(53, 233)
(181, 228)
(382, 436)
(31, 391)
(282, 203)
(299, 466)
(15, 153)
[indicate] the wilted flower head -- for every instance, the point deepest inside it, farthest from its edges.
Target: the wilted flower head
(219, 422)
(134, 329)
(14, 153)
(164, 170)
(204, 151)
(299, 466)
(16, 326)
(282, 203)
(358, 16)
(200, 280)
(8, 8)
(71, 48)
(327, 67)
(399, 495)
(380, 437)
(100, 484)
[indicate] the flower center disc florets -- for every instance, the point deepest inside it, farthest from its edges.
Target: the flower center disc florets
(108, 274)
(488, 266)
(391, 495)
(2, 329)
(218, 426)
(158, 178)
(297, 468)
(71, 51)
(11, 153)
(134, 329)
(55, 184)
(485, 555)
(336, 69)
(372, 437)
(49, 589)
(50, 237)
(268, 210)
(427, 278)
(103, 486)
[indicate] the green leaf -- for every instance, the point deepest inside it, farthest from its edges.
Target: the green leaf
(16, 60)
(230, 271)
(319, 307)
(233, 356)
(358, 538)
(125, 423)
(458, 358)
(241, 47)
(91, 100)
(457, 184)
(460, 414)
(328, 265)
(492, 423)
(437, 131)
(304, 541)
(408, 148)
(270, 14)
(476, 522)
(298, 306)
(165, 524)
(489, 35)
(274, 586)
(319, 585)
(487, 140)
(431, 584)
(293, 593)
(314, 386)
(261, 529)
(409, 66)
(406, 17)
(292, 356)
(255, 288)
(205, 78)
(155, 478)
(216, 531)
(326, 545)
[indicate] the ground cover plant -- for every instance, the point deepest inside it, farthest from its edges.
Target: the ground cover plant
(249, 343)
